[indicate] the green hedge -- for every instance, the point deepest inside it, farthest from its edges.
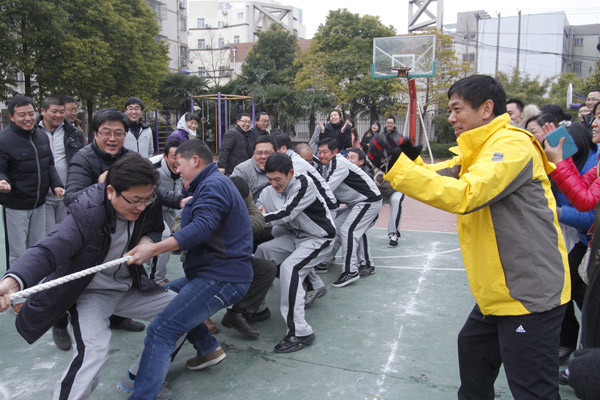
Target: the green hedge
(440, 150)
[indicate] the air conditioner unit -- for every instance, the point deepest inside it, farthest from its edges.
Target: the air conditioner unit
(182, 4)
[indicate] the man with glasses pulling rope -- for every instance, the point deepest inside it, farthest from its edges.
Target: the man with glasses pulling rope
(106, 221)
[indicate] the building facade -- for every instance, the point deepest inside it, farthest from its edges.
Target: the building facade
(584, 54)
(221, 33)
(172, 19)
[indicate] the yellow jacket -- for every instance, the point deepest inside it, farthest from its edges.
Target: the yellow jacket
(511, 243)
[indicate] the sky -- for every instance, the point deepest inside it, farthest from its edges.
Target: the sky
(395, 12)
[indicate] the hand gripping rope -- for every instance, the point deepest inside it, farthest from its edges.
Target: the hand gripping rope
(67, 278)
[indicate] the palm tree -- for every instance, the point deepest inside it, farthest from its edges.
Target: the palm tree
(309, 102)
(176, 89)
(279, 102)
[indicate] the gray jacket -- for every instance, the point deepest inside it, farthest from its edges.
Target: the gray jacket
(169, 182)
(349, 183)
(255, 177)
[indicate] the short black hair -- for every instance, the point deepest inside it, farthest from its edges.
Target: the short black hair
(135, 100)
(259, 114)
(67, 99)
(531, 119)
(593, 90)
(279, 163)
(266, 139)
(108, 114)
(332, 144)
(557, 112)
(131, 170)
(390, 117)
(518, 102)
(477, 89)
(174, 143)
(241, 185)
(19, 101)
(595, 108)
(581, 105)
(240, 115)
(52, 101)
(193, 148)
(361, 154)
(192, 116)
(283, 139)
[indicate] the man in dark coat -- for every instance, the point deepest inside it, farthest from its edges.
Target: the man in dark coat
(237, 145)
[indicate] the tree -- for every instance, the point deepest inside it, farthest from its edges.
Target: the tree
(523, 87)
(311, 102)
(338, 61)
(278, 101)
(593, 81)
(177, 88)
(274, 51)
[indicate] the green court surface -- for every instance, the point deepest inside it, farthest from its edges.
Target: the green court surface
(388, 336)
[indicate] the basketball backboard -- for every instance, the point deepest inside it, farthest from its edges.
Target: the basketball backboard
(399, 53)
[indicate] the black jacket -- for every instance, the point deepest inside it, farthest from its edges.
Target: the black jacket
(90, 162)
(73, 138)
(237, 146)
(26, 162)
(344, 138)
(81, 241)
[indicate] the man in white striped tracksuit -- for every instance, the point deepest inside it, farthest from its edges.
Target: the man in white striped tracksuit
(306, 230)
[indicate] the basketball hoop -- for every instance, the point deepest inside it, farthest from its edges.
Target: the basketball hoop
(402, 71)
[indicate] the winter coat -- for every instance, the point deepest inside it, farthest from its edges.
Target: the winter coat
(236, 147)
(81, 241)
(27, 164)
(512, 246)
(143, 143)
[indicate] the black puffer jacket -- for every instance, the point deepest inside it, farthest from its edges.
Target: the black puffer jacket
(81, 241)
(73, 138)
(26, 163)
(90, 162)
(237, 146)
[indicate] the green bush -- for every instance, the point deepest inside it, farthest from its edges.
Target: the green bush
(440, 150)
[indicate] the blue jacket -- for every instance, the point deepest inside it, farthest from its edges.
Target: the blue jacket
(582, 221)
(215, 230)
(79, 242)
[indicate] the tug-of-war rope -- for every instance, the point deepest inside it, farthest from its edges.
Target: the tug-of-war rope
(67, 278)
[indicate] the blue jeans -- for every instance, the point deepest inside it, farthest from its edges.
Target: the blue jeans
(196, 301)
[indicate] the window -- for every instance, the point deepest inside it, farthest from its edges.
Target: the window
(182, 23)
(240, 15)
(579, 41)
(221, 42)
(470, 36)
(221, 24)
(236, 39)
(577, 66)
(201, 44)
(201, 23)
(202, 71)
(222, 70)
(468, 57)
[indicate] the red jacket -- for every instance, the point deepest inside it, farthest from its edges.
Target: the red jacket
(582, 191)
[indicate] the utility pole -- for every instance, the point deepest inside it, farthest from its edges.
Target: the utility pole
(518, 43)
(497, 47)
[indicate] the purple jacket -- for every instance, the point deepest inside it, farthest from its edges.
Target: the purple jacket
(178, 134)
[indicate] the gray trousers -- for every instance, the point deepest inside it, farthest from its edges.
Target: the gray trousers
(56, 211)
(395, 201)
(22, 229)
(160, 273)
(90, 334)
(353, 225)
(297, 257)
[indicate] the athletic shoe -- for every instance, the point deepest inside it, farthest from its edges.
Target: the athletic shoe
(200, 362)
(128, 324)
(564, 352)
(563, 377)
(321, 268)
(393, 240)
(365, 271)
(289, 344)
(313, 295)
(346, 278)
(61, 337)
(126, 384)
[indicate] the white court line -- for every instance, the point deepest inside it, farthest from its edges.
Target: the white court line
(420, 255)
(417, 268)
(410, 306)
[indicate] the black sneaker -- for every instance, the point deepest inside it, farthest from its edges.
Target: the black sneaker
(289, 344)
(321, 268)
(563, 377)
(61, 338)
(128, 324)
(364, 271)
(393, 240)
(346, 278)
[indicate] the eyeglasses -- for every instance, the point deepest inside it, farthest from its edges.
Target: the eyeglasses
(134, 108)
(137, 203)
(108, 133)
(263, 153)
(246, 121)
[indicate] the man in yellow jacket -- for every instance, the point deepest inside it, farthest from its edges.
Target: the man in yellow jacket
(512, 246)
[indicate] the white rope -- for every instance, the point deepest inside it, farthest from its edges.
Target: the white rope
(67, 278)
